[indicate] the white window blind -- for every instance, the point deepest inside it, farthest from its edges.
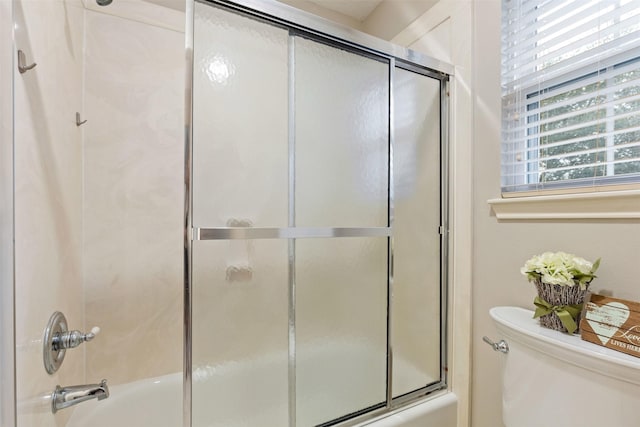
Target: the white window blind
(570, 93)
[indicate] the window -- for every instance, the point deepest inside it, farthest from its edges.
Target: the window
(570, 94)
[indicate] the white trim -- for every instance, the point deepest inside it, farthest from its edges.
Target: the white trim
(598, 205)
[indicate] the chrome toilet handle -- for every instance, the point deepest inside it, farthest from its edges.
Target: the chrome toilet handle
(500, 346)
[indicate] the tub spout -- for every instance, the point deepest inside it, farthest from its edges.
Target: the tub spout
(63, 397)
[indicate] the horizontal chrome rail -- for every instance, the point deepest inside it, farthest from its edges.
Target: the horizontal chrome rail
(283, 14)
(239, 233)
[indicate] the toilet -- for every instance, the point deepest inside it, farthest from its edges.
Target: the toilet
(552, 379)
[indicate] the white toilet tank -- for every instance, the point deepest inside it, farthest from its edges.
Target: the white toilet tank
(551, 379)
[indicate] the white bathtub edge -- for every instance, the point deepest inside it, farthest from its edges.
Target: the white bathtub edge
(131, 404)
(436, 411)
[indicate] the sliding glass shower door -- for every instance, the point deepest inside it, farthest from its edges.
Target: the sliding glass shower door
(240, 178)
(341, 180)
(317, 226)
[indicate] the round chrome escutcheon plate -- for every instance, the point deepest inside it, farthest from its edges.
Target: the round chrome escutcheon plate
(53, 356)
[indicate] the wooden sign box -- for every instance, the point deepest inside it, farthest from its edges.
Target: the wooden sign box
(613, 323)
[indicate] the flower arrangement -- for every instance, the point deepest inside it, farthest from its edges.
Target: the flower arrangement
(560, 268)
(561, 280)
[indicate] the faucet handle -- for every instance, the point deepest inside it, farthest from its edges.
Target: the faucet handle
(91, 335)
(57, 339)
(72, 339)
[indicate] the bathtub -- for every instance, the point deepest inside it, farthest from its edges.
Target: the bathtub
(243, 395)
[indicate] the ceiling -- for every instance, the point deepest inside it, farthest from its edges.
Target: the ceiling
(356, 9)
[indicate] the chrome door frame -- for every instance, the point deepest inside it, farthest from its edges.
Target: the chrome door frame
(317, 28)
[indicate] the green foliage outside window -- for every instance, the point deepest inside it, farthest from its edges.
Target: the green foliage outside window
(567, 150)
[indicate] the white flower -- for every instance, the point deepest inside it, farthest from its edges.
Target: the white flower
(560, 268)
(582, 265)
(558, 277)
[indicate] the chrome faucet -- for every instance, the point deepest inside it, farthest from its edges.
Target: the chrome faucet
(63, 397)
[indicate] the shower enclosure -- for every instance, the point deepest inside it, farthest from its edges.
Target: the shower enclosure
(272, 252)
(317, 223)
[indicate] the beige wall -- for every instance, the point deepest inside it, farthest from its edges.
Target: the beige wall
(325, 13)
(393, 16)
(502, 247)
(48, 198)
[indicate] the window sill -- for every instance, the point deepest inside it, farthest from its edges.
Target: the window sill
(600, 205)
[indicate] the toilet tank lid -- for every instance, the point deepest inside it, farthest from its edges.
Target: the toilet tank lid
(517, 324)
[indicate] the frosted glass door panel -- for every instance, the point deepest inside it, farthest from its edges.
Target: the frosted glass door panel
(341, 315)
(240, 104)
(240, 333)
(416, 275)
(341, 137)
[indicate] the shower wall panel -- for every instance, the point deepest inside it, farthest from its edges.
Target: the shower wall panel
(48, 198)
(133, 197)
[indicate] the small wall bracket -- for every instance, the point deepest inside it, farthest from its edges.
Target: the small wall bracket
(22, 63)
(79, 121)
